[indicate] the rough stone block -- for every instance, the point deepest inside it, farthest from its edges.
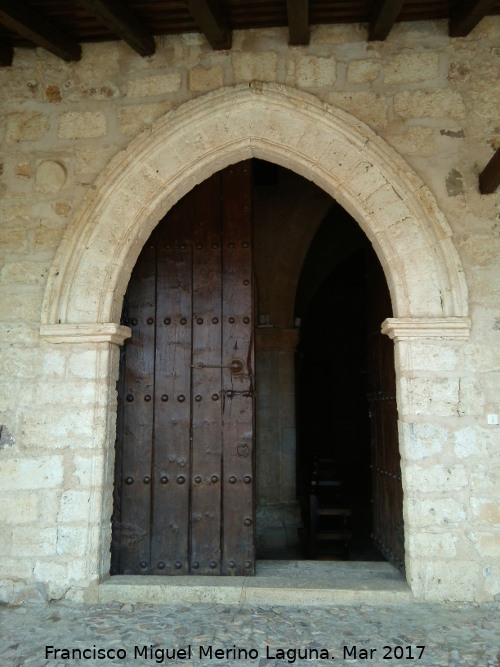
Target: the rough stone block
(19, 508)
(83, 364)
(132, 119)
(31, 594)
(89, 470)
(487, 510)
(315, 72)
(13, 237)
(20, 306)
(24, 273)
(471, 396)
(427, 356)
(26, 126)
(432, 396)
(78, 569)
(201, 79)
(18, 569)
(468, 442)
(415, 140)
(438, 581)
(486, 543)
(47, 236)
(17, 209)
(435, 512)
(53, 361)
(72, 540)
(486, 97)
(33, 541)
(371, 108)
(75, 395)
(27, 474)
(53, 574)
(363, 71)
(423, 441)
(254, 66)
(74, 507)
(411, 67)
(436, 479)
(149, 86)
(434, 544)
(82, 125)
(434, 102)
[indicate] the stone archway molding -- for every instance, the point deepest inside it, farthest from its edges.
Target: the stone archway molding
(343, 156)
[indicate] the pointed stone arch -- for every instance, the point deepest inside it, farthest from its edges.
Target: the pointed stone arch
(91, 270)
(327, 146)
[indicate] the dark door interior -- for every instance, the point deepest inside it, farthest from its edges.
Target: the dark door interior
(346, 405)
(184, 483)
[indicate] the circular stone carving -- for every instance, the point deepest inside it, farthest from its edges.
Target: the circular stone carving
(50, 176)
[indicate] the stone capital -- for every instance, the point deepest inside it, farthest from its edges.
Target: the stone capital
(85, 333)
(403, 328)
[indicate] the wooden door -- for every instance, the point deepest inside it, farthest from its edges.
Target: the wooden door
(184, 482)
(387, 490)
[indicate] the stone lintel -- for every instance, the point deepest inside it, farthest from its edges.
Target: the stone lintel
(85, 333)
(402, 328)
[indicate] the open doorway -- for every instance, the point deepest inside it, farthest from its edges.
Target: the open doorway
(333, 429)
(306, 249)
(325, 378)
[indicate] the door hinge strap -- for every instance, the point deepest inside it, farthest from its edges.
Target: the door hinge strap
(232, 392)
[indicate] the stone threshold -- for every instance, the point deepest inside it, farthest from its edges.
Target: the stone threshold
(297, 583)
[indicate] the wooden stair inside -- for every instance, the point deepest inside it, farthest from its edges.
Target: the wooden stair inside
(329, 520)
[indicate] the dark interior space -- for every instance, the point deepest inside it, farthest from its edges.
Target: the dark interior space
(333, 427)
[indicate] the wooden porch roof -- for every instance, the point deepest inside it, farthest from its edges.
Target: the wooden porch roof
(62, 25)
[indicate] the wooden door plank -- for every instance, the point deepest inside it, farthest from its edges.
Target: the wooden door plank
(172, 397)
(117, 486)
(388, 529)
(138, 419)
(238, 376)
(206, 380)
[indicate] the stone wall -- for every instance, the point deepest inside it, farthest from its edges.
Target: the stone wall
(65, 127)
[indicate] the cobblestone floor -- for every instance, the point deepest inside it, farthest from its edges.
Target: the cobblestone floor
(220, 635)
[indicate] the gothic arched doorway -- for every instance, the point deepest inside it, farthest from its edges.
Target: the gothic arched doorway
(91, 269)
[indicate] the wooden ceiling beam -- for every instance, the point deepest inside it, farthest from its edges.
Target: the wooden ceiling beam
(489, 178)
(298, 21)
(212, 22)
(467, 16)
(123, 22)
(384, 17)
(6, 55)
(30, 25)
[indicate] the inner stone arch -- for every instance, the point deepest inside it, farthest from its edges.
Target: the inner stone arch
(329, 147)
